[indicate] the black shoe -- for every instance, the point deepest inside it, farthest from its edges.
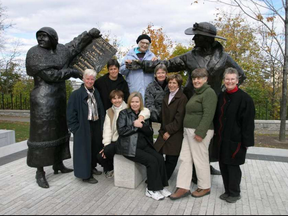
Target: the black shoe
(224, 196)
(213, 171)
(41, 180)
(231, 199)
(60, 167)
(96, 172)
(91, 180)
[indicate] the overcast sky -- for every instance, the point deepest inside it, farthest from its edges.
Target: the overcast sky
(124, 19)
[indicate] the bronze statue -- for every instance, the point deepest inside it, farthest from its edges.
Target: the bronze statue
(48, 63)
(207, 53)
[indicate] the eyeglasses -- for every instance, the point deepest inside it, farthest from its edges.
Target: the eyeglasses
(227, 80)
(144, 43)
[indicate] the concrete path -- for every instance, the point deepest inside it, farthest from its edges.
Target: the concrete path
(264, 191)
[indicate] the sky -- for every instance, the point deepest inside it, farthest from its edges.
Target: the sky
(124, 20)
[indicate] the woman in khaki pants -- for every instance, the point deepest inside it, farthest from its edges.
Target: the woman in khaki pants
(198, 131)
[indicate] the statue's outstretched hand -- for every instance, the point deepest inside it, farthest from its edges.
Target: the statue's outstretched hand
(134, 65)
(76, 74)
(95, 33)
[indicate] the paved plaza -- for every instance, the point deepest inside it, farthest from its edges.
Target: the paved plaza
(264, 192)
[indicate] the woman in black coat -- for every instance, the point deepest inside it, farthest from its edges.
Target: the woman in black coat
(135, 142)
(48, 63)
(85, 117)
(111, 81)
(234, 129)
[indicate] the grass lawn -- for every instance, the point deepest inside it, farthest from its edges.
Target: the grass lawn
(21, 129)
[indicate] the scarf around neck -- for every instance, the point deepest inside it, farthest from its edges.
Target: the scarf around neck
(92, 106)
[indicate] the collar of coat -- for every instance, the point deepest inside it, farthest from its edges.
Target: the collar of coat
(148, 55)
(84, 94)
(177, 96)
(106, 77)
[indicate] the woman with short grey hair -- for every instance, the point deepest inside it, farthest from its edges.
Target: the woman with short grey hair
(234, 127)
(85, 117)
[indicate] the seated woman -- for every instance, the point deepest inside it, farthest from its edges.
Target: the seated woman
(110, 133)
(136, 144)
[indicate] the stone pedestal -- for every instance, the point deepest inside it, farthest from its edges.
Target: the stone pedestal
(128, 174)
(7, 137)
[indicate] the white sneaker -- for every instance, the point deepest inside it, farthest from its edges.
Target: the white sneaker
(165, 193)
(156, 195)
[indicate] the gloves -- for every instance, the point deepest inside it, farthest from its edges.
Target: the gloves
(94, 33)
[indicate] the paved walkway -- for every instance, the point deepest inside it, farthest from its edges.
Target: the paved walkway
(264, 191)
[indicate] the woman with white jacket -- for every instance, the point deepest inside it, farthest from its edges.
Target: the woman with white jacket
(110, 133)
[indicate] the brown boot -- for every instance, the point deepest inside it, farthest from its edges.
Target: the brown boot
(200, 192)
(180, 192)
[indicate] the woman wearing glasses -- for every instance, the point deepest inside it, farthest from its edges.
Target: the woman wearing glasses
(138, 80)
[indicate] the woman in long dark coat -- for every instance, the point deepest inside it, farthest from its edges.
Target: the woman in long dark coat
(85, 117)
(170, 137)
(48, 62)
(234, 129)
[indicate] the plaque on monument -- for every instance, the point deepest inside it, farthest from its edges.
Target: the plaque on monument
(94, 56)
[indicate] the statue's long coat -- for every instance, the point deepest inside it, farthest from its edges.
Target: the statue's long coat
(48, 142)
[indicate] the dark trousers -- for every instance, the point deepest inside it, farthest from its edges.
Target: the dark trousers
(231, 175)
(155, 165)
(96, 141)
(170, 164)
(109, 152)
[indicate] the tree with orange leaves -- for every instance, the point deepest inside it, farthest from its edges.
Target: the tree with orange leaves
(160, 42)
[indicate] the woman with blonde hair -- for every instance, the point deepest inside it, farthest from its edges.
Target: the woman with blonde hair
(136, 144)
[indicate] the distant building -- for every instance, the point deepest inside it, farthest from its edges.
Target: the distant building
(75, 84)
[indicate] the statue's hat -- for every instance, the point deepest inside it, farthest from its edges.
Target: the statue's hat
(203, 28)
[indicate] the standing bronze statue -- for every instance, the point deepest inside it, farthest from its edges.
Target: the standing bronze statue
(207, 53)
(48, 63)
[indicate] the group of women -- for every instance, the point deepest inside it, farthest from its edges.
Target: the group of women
(186, 126)
(186, 130)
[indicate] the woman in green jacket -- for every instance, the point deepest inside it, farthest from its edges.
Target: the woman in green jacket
(198, 131)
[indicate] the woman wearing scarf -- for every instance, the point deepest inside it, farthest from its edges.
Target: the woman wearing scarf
(85, 117)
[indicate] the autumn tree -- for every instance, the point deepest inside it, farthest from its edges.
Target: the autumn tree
(243, 46)
(161, 44)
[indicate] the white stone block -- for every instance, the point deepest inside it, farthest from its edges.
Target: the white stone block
(128, 174)
(7, 137)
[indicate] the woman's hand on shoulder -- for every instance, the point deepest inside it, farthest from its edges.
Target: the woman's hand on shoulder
(138, 123)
